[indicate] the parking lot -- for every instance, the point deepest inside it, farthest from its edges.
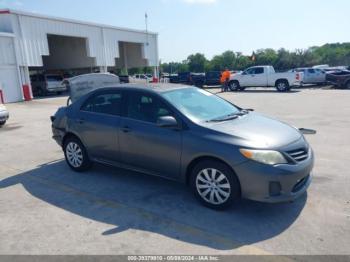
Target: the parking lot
(48, 209)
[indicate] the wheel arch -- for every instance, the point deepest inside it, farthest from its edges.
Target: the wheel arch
(70, 134)
(234, 80)
(280, 80)
(199, 159)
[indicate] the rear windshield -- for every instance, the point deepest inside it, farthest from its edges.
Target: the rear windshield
(54, 78)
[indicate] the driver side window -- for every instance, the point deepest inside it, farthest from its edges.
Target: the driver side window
(146, 107)
(250, 71)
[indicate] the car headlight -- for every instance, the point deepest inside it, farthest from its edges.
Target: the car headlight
(269, 157)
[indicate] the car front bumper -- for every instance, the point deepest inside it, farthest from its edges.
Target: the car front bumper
(274, 184)
(4, 115)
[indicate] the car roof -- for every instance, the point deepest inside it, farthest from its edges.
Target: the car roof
(156, 88)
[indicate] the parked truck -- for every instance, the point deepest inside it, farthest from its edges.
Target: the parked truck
(264, 76)
(340, 79)
(210, 78)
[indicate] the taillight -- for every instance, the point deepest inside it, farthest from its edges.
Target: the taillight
(297, 76)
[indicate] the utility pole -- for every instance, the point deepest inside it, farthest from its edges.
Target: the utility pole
(146, 22)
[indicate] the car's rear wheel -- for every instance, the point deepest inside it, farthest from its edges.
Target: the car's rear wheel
(234, 85)
(75, 154)
(282, 86)
(214, 184)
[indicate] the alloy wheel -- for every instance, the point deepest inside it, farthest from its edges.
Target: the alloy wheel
(74, 154)
(281, 86)
(213, 186)
(233, 86)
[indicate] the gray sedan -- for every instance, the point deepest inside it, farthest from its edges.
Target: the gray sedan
(186, 134)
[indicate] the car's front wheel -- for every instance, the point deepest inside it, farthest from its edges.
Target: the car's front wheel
(75, 154)
(214, 184)
(234, 85)
(2, 123)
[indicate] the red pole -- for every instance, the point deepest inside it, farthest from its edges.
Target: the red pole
(1, 97)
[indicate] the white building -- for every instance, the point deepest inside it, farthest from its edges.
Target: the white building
(36, 43)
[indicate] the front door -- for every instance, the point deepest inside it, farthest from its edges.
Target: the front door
(255, 76)
(98, 123)
(320, 76)
(143, 144)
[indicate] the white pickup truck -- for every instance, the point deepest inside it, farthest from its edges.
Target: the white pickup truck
(264, 76)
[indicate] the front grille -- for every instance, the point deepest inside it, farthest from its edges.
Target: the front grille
(300, 184)
(298, 155)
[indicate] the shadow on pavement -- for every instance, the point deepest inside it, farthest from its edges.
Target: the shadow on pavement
(129, 200)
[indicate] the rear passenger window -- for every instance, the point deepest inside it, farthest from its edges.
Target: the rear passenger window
(105, 103)
(311, 71)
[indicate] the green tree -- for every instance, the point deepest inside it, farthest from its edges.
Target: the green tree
(266, 57)
(334, 54)
(197, 63)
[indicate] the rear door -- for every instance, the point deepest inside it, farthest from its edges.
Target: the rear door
(143, 144)
(98, 123)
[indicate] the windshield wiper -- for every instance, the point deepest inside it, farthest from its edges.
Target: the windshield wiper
(224, 118)
(229, 116)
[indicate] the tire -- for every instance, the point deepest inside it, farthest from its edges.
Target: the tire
(234, 85)
(214, 184)
(75, 154)
(2, 123)
(282, 86)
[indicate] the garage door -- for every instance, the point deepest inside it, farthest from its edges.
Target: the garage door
(10, 85)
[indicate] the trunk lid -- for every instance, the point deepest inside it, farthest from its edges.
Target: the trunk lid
(83, 84)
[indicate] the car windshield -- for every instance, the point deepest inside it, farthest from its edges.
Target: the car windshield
(199, 105)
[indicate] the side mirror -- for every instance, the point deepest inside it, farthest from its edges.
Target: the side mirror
(307, 131)
(167, 122)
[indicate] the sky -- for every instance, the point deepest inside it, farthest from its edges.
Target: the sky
(211, 26)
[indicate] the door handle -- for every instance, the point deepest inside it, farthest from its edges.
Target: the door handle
(126, 129)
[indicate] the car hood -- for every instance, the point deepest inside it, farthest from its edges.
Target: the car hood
(257, 131)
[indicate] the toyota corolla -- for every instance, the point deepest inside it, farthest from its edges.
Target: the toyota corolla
(223, 152)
